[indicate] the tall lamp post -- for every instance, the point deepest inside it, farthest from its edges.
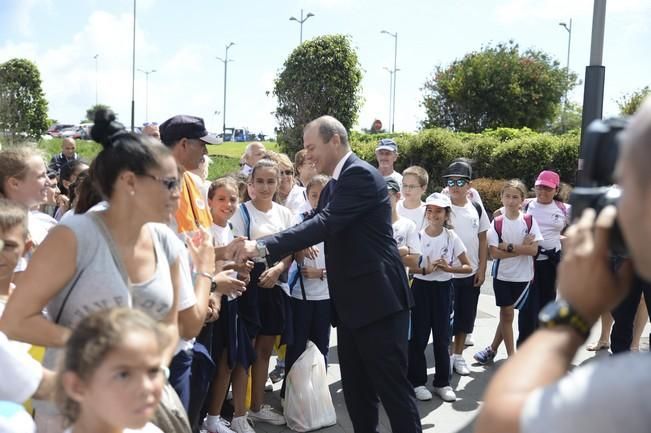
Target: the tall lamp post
(567, 68)
(395, 70)
(133, 70)
(225, 60)
(390, 71)
(301, 21)
(151, 71)
(96, 56)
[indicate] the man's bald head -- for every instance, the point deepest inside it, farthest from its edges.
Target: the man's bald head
(68, 147)
(328, 126)
(254, 153)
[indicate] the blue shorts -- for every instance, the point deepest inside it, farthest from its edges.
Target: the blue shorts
(466, 296)
(510, 293)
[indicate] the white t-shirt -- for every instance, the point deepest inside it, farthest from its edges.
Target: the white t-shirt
(468, 224)
(608, 395)
(277, 219)
(148, 428)
(39, 225)
(405, 234)
(397, 177)
(417, 215)
(21, 374)
(551, 220)
(315, 288)
(297, 200)
(261, 224)
(446, 245)
(519, 268)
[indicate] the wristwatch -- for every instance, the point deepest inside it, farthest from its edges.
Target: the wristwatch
(509, 248)
(562, 313)
(263, 252)
(213, 283)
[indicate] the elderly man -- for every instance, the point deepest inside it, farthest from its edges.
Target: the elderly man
(253, 153)
(386, 154)
(68, 153)
(366, 277)
(532, 391)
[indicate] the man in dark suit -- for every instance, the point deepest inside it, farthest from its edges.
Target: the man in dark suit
(368, 285)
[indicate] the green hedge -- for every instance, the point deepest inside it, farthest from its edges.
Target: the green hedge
(502, 153)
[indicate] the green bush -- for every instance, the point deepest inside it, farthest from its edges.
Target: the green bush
(490, 191)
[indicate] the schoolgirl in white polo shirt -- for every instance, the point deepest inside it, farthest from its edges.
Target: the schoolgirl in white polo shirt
(432, 289)
(513, 242)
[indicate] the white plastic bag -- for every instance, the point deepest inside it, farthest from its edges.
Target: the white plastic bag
(308, 405)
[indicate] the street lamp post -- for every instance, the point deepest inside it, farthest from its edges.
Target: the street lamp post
(133, 70)
(96, 56)
(390, 71)
(225, 60)
(395, 70)
(151, 71)
(567, 68)
(301, 21)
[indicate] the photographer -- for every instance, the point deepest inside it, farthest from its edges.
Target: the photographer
(532, 392)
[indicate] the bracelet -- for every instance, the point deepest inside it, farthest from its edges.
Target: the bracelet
(207, 275)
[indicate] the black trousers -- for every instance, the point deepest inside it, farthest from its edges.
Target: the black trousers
(373, 361)
(621, 335)
(541, 292)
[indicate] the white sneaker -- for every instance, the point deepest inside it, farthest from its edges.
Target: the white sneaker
(422, 393)
(268, 386)
(446, 393)
(216, 424)
(469, 340)
(459, 365)
(267, 414)
(241, 425)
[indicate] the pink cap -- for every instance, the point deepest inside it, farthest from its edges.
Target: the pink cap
(548, 178)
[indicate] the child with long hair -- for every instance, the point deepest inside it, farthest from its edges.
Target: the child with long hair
(513, 243)
(432, 288)
(264, 307)
(112, 374)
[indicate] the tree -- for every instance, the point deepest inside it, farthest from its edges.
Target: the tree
(628, 104)
(90, 113)
(496, 87)
(23, 108)
(565, 119)
(321, 76)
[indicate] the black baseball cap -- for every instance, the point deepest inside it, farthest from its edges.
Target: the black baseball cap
(183, 126)
(459, 169)
(392, 184)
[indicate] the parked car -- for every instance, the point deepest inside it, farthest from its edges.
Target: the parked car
(55, 130)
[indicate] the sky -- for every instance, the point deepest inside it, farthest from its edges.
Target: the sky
(181, 41)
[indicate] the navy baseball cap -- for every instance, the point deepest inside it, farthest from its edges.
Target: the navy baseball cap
(387, 144)
(183, 126)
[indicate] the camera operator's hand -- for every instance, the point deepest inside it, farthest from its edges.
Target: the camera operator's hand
(585, 276)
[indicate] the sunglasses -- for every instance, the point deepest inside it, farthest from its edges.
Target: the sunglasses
(171, 183)
(287, 172)
(457, 182)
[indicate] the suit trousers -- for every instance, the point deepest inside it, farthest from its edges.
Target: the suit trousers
(373, 361)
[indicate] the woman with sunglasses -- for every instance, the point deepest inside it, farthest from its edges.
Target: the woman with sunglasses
(114, 258)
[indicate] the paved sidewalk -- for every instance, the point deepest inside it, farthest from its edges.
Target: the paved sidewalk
(437, 416)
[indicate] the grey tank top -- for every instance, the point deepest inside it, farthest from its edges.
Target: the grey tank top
(100, 279)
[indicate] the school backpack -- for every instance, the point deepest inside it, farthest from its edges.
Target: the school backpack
(498, 222)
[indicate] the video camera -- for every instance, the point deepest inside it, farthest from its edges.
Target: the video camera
(596, 187)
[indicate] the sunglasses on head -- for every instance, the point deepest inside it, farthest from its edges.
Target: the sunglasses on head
(457, 182)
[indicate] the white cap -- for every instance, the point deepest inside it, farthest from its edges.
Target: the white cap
(438, 199)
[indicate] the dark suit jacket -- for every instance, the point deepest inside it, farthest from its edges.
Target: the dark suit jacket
(366, 277)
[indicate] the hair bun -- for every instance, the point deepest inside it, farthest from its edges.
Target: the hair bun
(105, 127)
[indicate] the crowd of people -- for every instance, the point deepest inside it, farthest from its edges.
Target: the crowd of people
(159, 294)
